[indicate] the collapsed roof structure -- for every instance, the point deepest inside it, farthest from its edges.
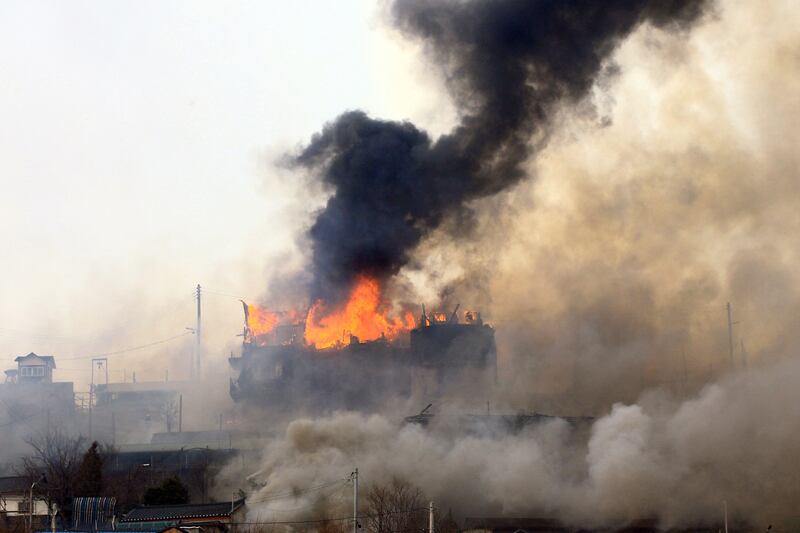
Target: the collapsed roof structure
(286, 372)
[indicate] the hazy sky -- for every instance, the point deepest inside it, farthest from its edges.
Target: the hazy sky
(134, 141)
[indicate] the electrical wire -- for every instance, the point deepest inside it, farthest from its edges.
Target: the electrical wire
(228, 295)
(294, 493)
(125, 350)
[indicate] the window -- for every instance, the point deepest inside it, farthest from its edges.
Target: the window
(25, 371)
(23, 506)
(38, 371)
(31, 371)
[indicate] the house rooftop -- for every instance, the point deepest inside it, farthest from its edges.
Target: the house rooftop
(48, 359)
(14, 484)
(160, 513)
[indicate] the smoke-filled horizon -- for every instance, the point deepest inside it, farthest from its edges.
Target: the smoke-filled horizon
(666, 185)
(668, 190)
(507, 66)
(663, 459)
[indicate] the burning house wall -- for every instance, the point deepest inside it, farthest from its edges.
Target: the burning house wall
(423, 364)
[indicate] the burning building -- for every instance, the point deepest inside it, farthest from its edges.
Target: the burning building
(359, 355)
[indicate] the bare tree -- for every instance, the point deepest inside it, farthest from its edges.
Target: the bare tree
(168, 411)
(444, 522)
(331, 527)
(126, 484)
(57, 455)
(395, 508)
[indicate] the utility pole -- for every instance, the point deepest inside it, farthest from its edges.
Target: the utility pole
(91, 391)
(430, 517)
(113, 429)
(102, 363)
(30, 509)
(730, 333)
(198, 346)
(744, 355)
(180, 413)
(30, 502)
(725, 505)
(355, 501)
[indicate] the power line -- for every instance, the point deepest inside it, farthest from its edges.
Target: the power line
(304, 507)
(229, 295)
(295, 493)
(125, 350)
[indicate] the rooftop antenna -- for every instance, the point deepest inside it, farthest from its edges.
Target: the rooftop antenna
(101, 363)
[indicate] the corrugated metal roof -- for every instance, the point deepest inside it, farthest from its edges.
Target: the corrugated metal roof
(155, 513)
(88, 512)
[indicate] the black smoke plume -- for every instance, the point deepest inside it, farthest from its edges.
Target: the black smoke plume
(508, 64)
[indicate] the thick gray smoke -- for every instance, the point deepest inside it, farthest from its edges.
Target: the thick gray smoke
(508, 64)
(669, 191)
(737, 441)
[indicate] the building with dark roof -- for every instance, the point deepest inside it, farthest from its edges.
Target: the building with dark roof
(34, 368)
(208, 516)
(15, 502)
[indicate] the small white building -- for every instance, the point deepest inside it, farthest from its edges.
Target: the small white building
(15, 498)
(34, 368)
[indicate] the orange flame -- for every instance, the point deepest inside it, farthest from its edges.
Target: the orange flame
(260, 321)
(363, 315)
(272, 328)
